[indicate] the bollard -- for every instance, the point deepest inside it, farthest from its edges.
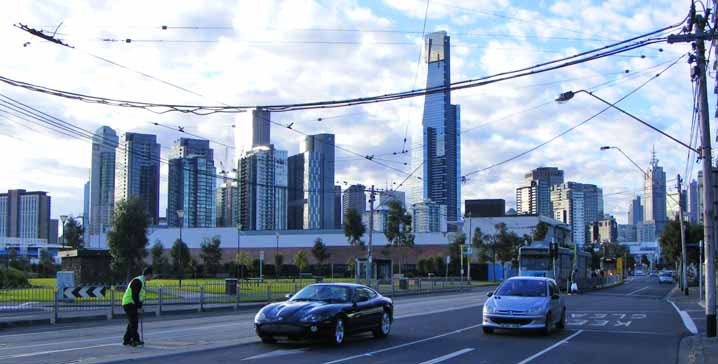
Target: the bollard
(53, 314)
(111, 313)
(201, 298)
(159, 302)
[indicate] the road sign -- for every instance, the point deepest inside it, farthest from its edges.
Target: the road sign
(261, 255)
(84, 292)
(448, 259)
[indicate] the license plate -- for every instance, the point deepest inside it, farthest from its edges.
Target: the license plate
(510, 326)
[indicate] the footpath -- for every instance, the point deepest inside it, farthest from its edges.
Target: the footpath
(696, 348)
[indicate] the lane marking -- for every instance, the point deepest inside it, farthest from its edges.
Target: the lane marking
(439, 311)
(448, 356)
(638, 290)
(276, 353)
(370, 353)
(25, 355)
(686, 318)
(544, 351)
(629, 332)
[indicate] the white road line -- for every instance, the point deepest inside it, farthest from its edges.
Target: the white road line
(448, 356)
(687, 321)
(638, 290)
(439, 311)
(370, 353)
(544, 351)
(25, 355)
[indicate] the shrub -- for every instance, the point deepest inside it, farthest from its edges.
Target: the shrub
(12, 278)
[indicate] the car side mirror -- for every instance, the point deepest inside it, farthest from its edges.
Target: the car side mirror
(288, 295)
(555, 296)
(490, 294)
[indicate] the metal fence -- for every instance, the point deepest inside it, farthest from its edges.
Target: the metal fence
(43, 303)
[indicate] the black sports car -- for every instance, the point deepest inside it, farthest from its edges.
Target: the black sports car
(326, 311)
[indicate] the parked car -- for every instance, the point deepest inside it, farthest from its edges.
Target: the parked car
(665, 276)
(326, 311)
(525, 303)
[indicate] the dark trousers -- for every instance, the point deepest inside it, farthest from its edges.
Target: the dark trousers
(131, 333)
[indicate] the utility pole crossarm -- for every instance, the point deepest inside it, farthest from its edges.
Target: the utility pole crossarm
(687, 38)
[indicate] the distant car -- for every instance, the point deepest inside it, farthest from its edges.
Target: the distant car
(654, 273)
(525, 303)
(665, 276)
(639, 273)
(326, 311)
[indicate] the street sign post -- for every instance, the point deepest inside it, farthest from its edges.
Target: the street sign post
(261, 264)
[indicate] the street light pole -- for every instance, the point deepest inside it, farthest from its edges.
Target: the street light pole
(180, 215)
(625, 155)
(276, 256)
(63, 218)
(239, 228)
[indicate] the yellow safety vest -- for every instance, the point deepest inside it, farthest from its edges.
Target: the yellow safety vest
(127, 298)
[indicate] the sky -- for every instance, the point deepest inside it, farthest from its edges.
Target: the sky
(272, 52)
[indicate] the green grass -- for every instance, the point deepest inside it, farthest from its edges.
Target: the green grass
(46, 295)
(42, 282)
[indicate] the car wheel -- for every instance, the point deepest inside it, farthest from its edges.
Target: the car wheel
(268, 340)
(384, 327)
(338, 333)
(562, 323)
(548, 326)
(487, 330)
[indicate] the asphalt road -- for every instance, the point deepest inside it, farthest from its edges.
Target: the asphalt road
(629, 323)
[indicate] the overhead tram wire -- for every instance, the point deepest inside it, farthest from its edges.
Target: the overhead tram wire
(519, 155)
(482, 81)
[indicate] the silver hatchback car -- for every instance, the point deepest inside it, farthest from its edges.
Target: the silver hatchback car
(525, 303)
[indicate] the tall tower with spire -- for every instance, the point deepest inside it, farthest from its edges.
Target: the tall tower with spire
(654, 199)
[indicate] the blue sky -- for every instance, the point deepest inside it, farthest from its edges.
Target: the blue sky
(283, 51)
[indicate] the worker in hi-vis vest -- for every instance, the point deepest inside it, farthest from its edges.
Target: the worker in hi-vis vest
(131, 302)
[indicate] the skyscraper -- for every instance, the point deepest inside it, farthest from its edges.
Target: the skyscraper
(191, 186)
(338, 207)
(535, 197)
(25, 214)
(263, 189)
(137, 172)
(437, 163)
(692, 202)
(252, 129)
(527, 199)
(392, 195)
(567, 204)
(354, 198)
(593, 203)
(227, 204)
(318, 179)
(635, 211)
(102, 180)
(295, 193)
(654, 187)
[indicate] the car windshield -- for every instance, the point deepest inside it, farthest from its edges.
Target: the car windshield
(323, 293)
(523, 288)
(534, 263)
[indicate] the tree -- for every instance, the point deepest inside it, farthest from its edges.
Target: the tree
(211, 254)
(181, 258)
(127, 241)
(278, 261)
(72, 232)
(301, 261)
(244, 261)
(439, 264)
(670, 241)
(320, 251)
(353, 227)
(540, 231)
(159, 260)
(455, 251)
(398, 228)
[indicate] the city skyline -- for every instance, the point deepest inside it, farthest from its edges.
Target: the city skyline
(577, 153)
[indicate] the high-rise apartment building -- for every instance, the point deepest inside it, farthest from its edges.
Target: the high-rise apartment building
(437, 163)
(391, 195)
(251, 130)
(654, 202)
(102, 180)
(429, 217)
(25, 214)
(263, 189)
(567, 204)
(593, 203)
(535, 196)
(355, 198)
(295, 193)
(227, 203)
(635, 211)
(692, 202)
(137, 172)
(318, 181)
(191, 186)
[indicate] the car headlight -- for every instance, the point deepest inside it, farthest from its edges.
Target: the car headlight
(259, 317)
(314, 317)
(539, 308)
(489, 307)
